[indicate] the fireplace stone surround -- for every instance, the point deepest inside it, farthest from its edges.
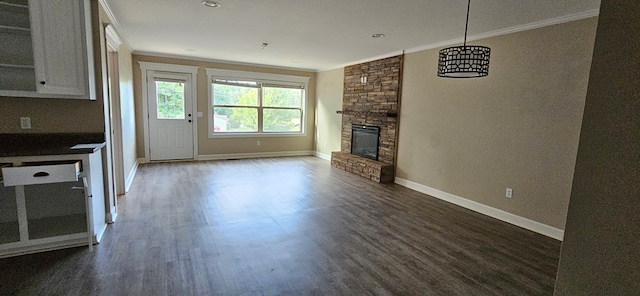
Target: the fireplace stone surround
(371, 98)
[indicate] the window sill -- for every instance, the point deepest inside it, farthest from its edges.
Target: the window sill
(255, 135)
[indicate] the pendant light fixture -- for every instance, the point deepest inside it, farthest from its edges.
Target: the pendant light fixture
(466, 61)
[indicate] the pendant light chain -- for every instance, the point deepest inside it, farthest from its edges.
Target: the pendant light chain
(466, 24)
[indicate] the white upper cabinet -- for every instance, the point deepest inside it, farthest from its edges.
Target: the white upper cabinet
(50, 53)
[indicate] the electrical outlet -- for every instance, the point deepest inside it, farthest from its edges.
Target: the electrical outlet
(25, 122)
(509, 193)
(258, 143)
(325, 144)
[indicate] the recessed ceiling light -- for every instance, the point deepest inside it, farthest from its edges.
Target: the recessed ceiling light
(211, 3)
(377, 35)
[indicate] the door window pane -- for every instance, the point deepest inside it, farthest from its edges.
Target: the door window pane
(170, 100)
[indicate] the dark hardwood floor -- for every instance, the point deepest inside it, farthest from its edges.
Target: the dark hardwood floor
(288, 226)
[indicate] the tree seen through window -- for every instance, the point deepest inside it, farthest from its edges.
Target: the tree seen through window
(245, 108)
(170, 99)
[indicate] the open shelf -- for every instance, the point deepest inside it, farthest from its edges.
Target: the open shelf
(17, 78)
(55, 226)
(16, 53)
(9, 229)
(16, 48)
(14, 15)
(15, 30)
(16, 66)
(9, 232)
(15, 6)
(16, 2)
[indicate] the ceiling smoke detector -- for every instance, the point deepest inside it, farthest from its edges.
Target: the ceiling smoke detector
(378, 35)
(211, 3)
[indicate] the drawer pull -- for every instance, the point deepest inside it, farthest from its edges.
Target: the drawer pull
(41, 174)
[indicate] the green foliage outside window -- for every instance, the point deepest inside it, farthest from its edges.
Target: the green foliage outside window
(281, 120)
(170, 100)
(236, 108)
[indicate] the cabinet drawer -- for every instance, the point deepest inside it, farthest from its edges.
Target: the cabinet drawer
(41, 174)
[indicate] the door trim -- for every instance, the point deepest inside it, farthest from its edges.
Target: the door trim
(111, 42)
(146, 68)
(115, 110)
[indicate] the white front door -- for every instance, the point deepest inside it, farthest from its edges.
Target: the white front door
(170, 120)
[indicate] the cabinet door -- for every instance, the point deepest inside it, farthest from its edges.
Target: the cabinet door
(62, 56)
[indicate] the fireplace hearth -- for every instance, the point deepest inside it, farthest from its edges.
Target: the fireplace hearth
(365, 140)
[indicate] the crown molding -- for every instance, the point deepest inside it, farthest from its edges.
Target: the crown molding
(113, 37)
(510, 30)
(114, 23)
(371, 59)
(179, 57)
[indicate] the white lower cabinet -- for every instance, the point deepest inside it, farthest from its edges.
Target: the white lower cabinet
(51, 202)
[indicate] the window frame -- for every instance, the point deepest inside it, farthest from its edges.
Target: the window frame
(268, 80)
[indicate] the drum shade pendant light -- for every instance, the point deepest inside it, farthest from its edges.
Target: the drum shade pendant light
(466, 61)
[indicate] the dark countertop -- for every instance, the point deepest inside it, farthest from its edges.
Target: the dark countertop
(48, 144)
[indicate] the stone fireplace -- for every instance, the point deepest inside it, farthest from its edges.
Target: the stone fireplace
(370, 99)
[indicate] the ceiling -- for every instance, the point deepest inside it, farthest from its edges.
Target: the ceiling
(320, 35)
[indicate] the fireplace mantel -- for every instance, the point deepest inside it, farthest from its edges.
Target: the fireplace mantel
(369, 114)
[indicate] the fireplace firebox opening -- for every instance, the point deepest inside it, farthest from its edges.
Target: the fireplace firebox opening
(365, 140)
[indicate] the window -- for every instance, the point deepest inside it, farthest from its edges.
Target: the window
(246, 103)
(170, 99)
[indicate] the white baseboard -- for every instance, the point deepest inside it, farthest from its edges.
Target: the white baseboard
(131, 176)
(111, 218)
(98, 237)
(323, 156)
(255, 155)
(484, 209)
